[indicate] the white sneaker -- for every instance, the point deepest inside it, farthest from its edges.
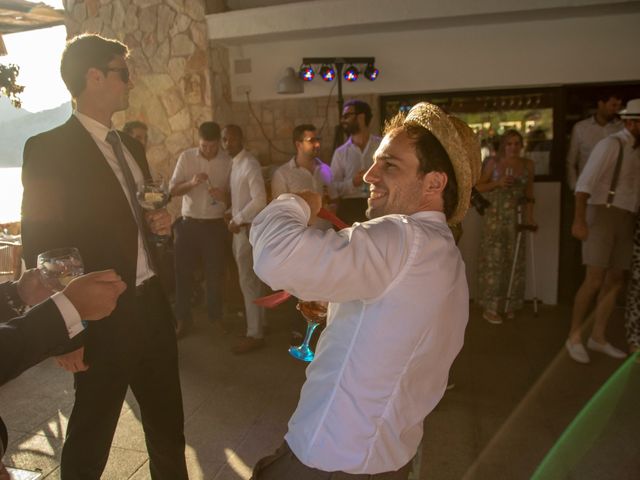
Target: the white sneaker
(606, 348)
(577, 352)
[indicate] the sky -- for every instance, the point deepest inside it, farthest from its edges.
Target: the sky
(37, 53)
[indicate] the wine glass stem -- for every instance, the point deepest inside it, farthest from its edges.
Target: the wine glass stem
(311, 326)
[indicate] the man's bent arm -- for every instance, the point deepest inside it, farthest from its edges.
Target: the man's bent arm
(355, 264)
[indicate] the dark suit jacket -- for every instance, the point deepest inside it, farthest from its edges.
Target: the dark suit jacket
(27, 340)
(72, 198)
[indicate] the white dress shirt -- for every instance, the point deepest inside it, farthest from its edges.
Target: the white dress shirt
(290, 178)
(596, 177)
(69, 314)
(248, 195)
(396, 321)
(99, 134)
(197, 203)
(348, 160)
(584, 136)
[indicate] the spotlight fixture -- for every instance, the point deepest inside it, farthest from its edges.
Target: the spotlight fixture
(371, 72)
(327, 73)
(290, 83)
(351, 74)
(306, 72)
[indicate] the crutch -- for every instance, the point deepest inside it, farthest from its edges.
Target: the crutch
(522, 228)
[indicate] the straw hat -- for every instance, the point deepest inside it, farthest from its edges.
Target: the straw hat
(633, 109)
(460, 144)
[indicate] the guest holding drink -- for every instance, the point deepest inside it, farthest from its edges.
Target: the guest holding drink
(398, 304)
(507, 182)
(201, 177)
(28, 339)
(80, 191)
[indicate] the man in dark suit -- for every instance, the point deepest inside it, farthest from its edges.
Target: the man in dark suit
(80, 190)
(29, 339)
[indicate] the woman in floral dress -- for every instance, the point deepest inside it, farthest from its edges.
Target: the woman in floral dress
(507, 182)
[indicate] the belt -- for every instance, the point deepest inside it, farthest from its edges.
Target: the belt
(203, 220)
(146, 286)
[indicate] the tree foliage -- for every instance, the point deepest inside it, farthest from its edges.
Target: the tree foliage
(8, 84)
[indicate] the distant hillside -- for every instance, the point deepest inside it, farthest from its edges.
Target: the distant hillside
(8, 112)
(18, 125)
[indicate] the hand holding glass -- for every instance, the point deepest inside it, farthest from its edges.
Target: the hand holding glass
(58, 267)
(153, 195)
(314, 313)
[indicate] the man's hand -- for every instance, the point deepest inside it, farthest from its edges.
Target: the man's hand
(32, 289)
(217, 194)
(159, 221)
(95, 295)
(233, 228)
(314, 200)
(199, 178)
(4, 474)
(72, 362)
(357, 178)
(580, 230)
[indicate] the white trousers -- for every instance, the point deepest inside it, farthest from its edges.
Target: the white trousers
(250, 284)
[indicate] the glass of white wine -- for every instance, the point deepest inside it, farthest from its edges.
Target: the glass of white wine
(59, 266)
(154, 195)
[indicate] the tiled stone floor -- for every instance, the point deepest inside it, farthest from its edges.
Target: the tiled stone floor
(516, 392)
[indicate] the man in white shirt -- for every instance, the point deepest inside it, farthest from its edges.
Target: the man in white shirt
(604, 223)
(352, 159)
(248, 197)
(201, 177)
(588, 132)
(305, 171)
(398, 303)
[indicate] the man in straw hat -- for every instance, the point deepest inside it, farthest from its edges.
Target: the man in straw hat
(607, 199)
(398, 303)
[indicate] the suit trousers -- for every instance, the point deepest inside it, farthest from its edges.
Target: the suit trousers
(250, 284)
(197, 241)
(284, 465)
(150, 369)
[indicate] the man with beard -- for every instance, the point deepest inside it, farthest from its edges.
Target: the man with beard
(399, 303)
(586, 133)
(352, 159)
(305, 171)
(607, 199)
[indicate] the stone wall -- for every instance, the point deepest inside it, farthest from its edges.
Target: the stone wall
(279, 117)
(169, 60)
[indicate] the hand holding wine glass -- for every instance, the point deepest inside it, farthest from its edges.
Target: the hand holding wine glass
(315, 313)
(59, 266)
(152, 196)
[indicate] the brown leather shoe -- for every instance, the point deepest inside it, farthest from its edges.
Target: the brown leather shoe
(247, 344)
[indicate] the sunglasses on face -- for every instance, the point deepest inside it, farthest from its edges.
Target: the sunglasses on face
(122, 71)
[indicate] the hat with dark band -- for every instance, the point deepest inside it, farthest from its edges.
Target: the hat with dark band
(461, 146)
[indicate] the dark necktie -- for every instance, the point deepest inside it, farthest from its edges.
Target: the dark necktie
(114, 140)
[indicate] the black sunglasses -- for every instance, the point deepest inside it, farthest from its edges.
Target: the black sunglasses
(123, 71)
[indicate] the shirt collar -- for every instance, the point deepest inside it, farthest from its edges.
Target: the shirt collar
(614, 120)
(237, 158)
(95, 128)
(292, 163)
(431, 215)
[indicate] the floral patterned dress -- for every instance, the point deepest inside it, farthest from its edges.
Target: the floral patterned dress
(497, 249)
(632, 311)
